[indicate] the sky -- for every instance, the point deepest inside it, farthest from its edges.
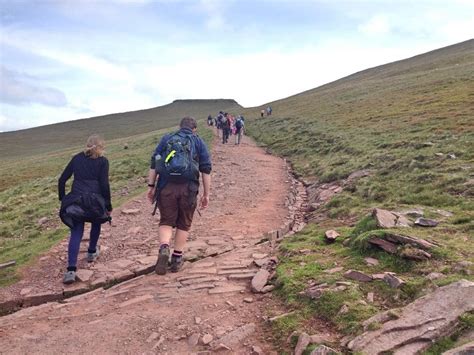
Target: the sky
(62, 60)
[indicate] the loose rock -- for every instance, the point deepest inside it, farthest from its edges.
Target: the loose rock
(389, 219)
(260, 280)
(425, 222)
(358, 276)
(331, 235)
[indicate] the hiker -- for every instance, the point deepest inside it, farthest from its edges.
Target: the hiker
(239, 129)
(225, 125)
(177, 161)
(269, 111)
(209, 120)
(262, 112)
(88, 201)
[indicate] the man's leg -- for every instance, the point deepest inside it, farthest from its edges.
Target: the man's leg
(179, 243)
(164, 235)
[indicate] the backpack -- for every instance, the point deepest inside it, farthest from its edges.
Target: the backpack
(177, 159)
(239, 124)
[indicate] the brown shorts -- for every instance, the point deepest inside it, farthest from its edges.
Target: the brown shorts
(177, 203)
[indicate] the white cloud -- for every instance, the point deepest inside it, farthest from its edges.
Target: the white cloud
(20, 89)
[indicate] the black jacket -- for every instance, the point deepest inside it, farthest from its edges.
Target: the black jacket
(89, 199)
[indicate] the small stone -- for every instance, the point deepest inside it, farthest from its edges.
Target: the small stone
(334, 270)
(248, 299)
(84, 275)
(425, 222)
(268, 288)
(452, 156)
(323, 350)
(331, 235)
(259, 256)
(256, 350)
(197, 320)
(260, 280)
(344, 309)
(370, 297)
(358, 276)
(193, 340)
(131, 211)
(152, 337)
(42, 221)
(371, 261)
(392, 280)
(206, 339)
(465, 267)
(26, 290)
(434, 276)
(134, 230)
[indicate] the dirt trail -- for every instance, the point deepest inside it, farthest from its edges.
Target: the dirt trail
(252, 194)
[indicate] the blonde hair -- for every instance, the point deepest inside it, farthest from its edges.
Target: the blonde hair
(94, 146)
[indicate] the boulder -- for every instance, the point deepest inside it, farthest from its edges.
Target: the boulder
(389, 219)
(420, 323)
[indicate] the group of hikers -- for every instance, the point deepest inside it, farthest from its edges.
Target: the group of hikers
(176, 164)
(228, 124)
(267, 111)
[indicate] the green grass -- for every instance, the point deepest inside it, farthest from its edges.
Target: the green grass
(401, 122)
(31, 194)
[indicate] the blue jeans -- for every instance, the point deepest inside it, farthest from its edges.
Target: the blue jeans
(75, 242)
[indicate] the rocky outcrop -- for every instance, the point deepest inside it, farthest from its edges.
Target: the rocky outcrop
(418, 324)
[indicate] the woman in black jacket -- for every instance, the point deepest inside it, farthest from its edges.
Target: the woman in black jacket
(88, 201)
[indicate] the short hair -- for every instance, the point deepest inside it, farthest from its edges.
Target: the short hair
(188, 122)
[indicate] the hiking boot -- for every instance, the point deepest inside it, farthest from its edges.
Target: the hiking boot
(69, 277)
(91, 257)
(162, 262)
(176, 263)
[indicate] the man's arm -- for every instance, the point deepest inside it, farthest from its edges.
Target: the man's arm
(206, 183)
(151, 181)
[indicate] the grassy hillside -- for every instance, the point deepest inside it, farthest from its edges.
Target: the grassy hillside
(28, 192)
(63, 135)
(410, 124)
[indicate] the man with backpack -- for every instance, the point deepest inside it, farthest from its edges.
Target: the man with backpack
(225, 128)
(239, 129)
(177, 162)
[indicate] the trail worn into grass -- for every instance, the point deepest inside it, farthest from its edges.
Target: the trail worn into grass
(199, 308)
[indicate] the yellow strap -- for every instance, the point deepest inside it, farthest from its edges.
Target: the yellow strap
(170, 155)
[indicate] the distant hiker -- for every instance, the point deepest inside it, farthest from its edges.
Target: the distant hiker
(177, 161)
(88, 200)
(262, 113)
(209, 120)
(225, 128)
(239, 129)
(269, 111)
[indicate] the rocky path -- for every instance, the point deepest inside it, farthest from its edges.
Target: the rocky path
(206, 307)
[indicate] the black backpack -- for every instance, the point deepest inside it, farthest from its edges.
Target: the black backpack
(238, 124)
(177, 160)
